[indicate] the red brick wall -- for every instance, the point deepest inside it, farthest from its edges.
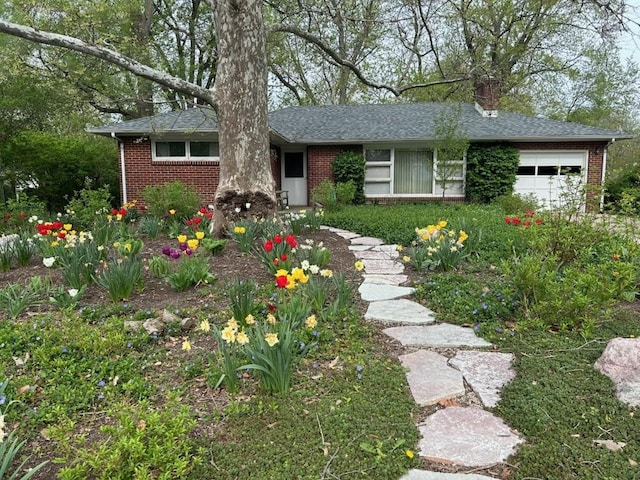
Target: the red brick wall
(319, 158)
(140, 171)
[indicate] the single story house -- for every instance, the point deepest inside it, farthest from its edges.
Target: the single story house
(395, 139)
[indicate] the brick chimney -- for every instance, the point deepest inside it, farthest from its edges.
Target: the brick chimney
(487, 95)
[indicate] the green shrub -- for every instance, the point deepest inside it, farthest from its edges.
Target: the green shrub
(15, 214)
(515, 203)
(623, 190)
(345, 192)
(491, 171)
(160, 199)
(325, 195)
(89, 203)
(348, 167)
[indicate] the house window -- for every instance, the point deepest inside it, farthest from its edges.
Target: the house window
(399, 171)
(185, 151)
(413, 171)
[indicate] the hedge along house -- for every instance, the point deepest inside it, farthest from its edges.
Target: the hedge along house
(395, 139)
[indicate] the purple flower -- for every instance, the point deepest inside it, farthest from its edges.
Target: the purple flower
(183, 246)
(358, 368)
(2, 399)
(175, 254)
(359, 376)
(166, 250)
(64, 350)
(101, 383)
(477, 327)
(188, 251)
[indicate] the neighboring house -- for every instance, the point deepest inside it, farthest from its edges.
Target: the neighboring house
(395, 139)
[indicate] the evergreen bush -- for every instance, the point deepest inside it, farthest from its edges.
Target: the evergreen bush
(491, 171)
(350, 167)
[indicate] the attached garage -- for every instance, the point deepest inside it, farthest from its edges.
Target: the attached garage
(544, 173)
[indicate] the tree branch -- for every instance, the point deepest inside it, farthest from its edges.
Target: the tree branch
(333, 55)
(108, 55)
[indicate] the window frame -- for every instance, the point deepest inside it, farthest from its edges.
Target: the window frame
(187, 158)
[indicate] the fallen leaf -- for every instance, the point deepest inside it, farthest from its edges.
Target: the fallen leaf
(141, 425)
(633, 463)
(449, 402)
(115, 380)
(23, 389)
(610, 444)
(334, 362)
(21, 362)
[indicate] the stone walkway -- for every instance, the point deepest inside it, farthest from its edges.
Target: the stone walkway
(446, 364)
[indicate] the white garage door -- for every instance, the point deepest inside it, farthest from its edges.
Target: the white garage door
(544, 174)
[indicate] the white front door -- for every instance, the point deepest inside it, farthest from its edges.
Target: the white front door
(294, 177)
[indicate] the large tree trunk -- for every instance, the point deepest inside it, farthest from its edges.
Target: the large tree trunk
(246, 186)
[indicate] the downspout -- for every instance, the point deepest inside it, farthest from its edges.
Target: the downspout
(123, 172)
(604, 171)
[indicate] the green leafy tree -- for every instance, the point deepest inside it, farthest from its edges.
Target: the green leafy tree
(55, 167)
(450, 145)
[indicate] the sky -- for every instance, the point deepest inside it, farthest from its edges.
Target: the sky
(630, 42)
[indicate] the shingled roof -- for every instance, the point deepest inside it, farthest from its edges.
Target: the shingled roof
(372, 123)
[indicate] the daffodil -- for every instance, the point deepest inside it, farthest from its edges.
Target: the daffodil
(204, 325)
(186, 345)
(249, 320)
(242, 338)
(311, 322)
(233, 324)
(228, 334)
(359, 265)
(271, 319)
(271, 339)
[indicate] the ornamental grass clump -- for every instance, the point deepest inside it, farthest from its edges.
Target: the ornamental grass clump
(437, 248)
(120, 277)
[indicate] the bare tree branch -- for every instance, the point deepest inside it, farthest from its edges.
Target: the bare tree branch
(333, 55)
(108, 55)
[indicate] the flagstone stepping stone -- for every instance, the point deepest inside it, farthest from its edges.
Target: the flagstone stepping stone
(359, 248)
(620, 361)
(390, 248)
(485, 372)
(375, 254)
(345, 234)
(465, 436)
(441, 335)
(386, 266)
(430, 379)
(381, 279)
(373, 293)
(425, 475)
(399, 311)
(371, 241)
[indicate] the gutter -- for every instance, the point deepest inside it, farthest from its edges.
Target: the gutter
(123, 171)
(604, 171)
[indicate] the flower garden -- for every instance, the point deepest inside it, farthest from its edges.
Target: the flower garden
(263, 353)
